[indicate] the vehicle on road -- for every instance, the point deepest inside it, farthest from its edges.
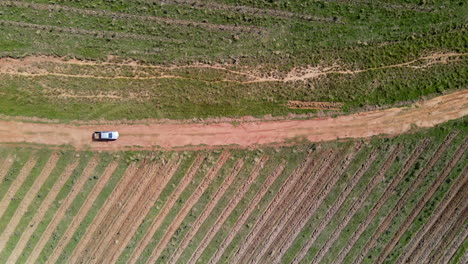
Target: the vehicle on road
(105, 135)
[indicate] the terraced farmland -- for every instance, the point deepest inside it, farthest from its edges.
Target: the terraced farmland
(393, 200)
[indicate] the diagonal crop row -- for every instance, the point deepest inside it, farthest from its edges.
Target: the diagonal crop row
(454, 246)
(247, 212)
(83, 212)
(161, 244)
(300, 176)
(358, 204)
(5, 166)
(455, 188)
(404, 198)
(221, 190)
(337, 205)
(126, 230)
(115, 217)
(419, 206)
(297, 222)
(26, 201)
(175, 195)
(382, 200)
(226, 212)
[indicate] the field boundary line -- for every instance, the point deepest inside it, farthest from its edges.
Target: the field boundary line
(448, 197)
(443, 228)
(161, 244)
(283, 243)
(76, 188)
(298, 174)
(419, 206)
(87, 205)
(127, 181)
(358, 204)
(336, 206)
(454, 246)
(44, 207)
(129, 225)
(16, 184)
(382, 200)
(319, 184)
(88, 32)
(97, 245)
(159, 218)
(27, 199)
(129, 16)
(403, 199)
(195, 226)
(241, 191)
(5, 166)
(246, 213)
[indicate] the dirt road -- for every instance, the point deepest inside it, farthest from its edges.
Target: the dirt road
(212, 135)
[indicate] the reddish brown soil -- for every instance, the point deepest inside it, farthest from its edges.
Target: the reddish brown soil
(26, 235)
(321, 182)
(19, 180)
(127, 229)
(208, 208)
(243, 217)
(26, 201)
(307, 209)
(422, 202)
(171, 136)
(88, 203)
(336, 206)
(186, 209)
(293, 180)
(378, 178)
(403, 199)
(62, 210)
(125, 183)
(455, 188)
(225, 213)
(382, 200)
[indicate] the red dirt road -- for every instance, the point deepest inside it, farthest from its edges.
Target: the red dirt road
(169, 136)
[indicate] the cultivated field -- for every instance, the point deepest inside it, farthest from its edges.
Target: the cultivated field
(392, 200)
(184, 59)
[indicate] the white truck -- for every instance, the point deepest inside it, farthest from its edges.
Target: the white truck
(105, 135)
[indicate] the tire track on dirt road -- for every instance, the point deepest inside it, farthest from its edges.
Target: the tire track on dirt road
(378, 178)
(306, 183)
(206, 182)
(96, 246)
(406, 195)
(431, 239)
(212, 135)
(126, 182)
(454, 246)
(449, 196)
(336, 206)
(419, 206)
(157, 221)
(27, 199)
(309, 163)
(63, 210)
(382, 200)
(138, 212)
(87, 205)
(16, 184)
(241, 191)
(40, 213)
(247, 212)
(297, 223)
(308, 201)
(195, 226)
